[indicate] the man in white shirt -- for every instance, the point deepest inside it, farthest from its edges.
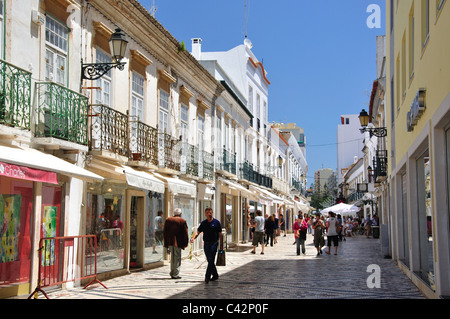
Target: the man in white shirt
(332, 233)
(258, 236)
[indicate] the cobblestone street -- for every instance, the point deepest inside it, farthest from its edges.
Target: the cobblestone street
(278, 274)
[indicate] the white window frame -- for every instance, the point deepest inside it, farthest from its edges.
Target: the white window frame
(219, 132)
(164, 109)
(184, 120)
(201, 132)
(56, 44)
(103, 95)
(138, 96)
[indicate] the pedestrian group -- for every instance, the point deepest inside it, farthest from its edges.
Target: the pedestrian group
(264, 232)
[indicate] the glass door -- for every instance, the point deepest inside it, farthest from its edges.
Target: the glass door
(137, 231)
(425, 235)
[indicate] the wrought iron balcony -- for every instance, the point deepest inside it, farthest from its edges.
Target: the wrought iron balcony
(251, 173)
(169, 151)
(15, 96)
(189, 159)
(108, 130)
(296, 184)
(245, 170)
(61, 113)
(206, 166)
(355, 196)
(143, 142)
(226, 161)
(380, 166)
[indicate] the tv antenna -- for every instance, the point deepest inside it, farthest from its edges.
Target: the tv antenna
(247, 41)
(153, 9)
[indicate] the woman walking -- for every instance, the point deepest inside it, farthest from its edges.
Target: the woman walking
(318, 226)
(270, 229)
(300, 227)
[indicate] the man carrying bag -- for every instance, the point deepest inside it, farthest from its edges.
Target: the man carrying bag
(212, 232)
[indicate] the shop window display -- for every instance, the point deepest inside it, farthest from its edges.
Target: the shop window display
(187, 208)
(16, 206)
(104, 218)
(425, 234)
(154, 222)
(50, 227)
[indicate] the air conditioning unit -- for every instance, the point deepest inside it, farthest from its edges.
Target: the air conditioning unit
(37, 17)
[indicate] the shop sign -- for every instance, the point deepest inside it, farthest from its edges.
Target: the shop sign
(27, 173)
(417, 108)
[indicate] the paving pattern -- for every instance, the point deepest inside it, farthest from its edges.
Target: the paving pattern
(278, 274)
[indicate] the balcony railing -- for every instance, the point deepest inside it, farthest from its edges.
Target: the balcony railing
(355, 196)
(206, 166)
(252, 174)
(380, 166)
(189, 159)
(15, 96)
(226, 161)
(143, 142)
(108, 130)
(61, 113)
(169, 151)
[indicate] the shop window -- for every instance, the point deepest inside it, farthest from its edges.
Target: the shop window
(154, 223)
(50, 227)
(187, 208)
(16, 206)
(104, 218)
(425, 234)
(404, 223)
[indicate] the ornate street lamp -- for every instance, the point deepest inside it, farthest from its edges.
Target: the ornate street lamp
(280, 161)
(118, 46)
(373, 131)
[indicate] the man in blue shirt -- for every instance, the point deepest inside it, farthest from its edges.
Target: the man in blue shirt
(212, 232)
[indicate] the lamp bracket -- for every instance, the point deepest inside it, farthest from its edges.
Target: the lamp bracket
(94, 71)
(377, 131)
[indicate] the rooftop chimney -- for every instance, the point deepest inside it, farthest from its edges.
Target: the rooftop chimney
(196, 48)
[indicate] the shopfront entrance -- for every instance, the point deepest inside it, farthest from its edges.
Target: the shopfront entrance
(136, 204)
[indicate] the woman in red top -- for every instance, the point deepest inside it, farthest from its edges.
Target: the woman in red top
(300, 228)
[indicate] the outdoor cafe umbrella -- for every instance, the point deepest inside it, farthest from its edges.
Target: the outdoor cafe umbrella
(341, 208)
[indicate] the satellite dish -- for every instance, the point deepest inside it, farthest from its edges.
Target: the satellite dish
(248, 43)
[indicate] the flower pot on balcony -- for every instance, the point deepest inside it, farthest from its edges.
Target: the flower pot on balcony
(137, 156)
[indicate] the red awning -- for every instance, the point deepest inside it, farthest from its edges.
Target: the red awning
(27, 173)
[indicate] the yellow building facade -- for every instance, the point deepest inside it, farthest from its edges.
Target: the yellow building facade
(418, 117)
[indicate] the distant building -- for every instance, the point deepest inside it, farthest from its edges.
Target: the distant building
(321, 177)
(349, 143)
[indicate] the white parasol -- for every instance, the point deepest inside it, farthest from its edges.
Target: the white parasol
(341, 208)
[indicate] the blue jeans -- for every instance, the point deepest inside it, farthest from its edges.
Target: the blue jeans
(210, 252)
(300, 242)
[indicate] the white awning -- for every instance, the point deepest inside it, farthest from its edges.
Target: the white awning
(35, 159)
(267, 197)
(143, 180)
(289, 202)
(276, 199)
(178, 186)
(205, 191)
(236, 186)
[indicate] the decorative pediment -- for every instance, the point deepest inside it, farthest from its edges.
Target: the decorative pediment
(202, 104)
(185, 92)
(164, 75)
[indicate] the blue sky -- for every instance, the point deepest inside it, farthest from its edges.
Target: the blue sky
(319, 56)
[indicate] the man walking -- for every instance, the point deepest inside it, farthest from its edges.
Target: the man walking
(258, 236)
(212, 232)
(176, 238)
